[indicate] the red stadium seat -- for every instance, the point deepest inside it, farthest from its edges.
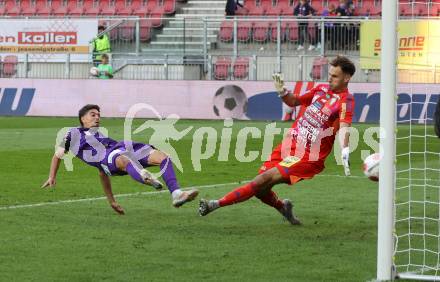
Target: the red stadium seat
(107, 8)
(375, 10)
(145, 30)
(256, 11)
(319, 68)
(260, 31)
(27, 8)
(139, 9)
(366, 8)
(43, 8)
(127, 31)
(292, 32)
(158, 9)
(151, 5)
(91, 8)
(156, 18)
(253, 8)
(156, 12)
(221, 68)
(362, 11)
(9, 66)
(420, 9)
(122, 9)
(248, 3)
(368, 3)
(274, 11)
(75, 8)
(286, 9)
(169, 6)
(12, 8)
(244, 31)
(334, 2)
(266, 4)
(274, 31)
(434, 9)
(405, 8)
(226, 33)
(59, 9)
(240, 68)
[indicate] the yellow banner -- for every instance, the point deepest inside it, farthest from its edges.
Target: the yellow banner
(44, 49)
(418, 41)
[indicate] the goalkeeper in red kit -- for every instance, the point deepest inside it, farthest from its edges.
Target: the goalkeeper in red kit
(326, 109)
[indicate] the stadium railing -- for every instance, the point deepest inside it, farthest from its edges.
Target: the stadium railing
(189, 48)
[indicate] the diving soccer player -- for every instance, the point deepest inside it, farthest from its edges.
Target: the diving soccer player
(325, 110)
(112, 158)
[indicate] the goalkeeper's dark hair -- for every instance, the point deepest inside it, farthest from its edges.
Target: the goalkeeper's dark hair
(345, 64)
(83, 111)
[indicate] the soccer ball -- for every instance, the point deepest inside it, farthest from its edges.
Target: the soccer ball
(371, 166)
(230, 101)
(94, 71)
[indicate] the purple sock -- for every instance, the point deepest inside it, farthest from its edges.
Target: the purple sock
(168, 175)
(134, 173)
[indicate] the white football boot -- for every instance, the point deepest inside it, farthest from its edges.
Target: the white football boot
(184, 197)
(149, 179)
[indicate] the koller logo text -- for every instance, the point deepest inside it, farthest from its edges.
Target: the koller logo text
(49, 37)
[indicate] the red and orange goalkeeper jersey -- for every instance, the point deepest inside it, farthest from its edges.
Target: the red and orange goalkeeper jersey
(321, 112)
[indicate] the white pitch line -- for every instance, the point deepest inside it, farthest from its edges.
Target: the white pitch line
(163, 191)
(116, 196)
(361, 176)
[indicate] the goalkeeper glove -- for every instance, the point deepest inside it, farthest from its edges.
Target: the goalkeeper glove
(279, 84)
(345, 156)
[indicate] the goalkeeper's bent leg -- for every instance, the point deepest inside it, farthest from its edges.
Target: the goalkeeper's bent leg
(270, 198)
(240, 194)
(260, 185)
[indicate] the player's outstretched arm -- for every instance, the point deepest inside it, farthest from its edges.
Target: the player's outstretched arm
(287, 97)
(344, 135)
(107, 187)
(54, 165)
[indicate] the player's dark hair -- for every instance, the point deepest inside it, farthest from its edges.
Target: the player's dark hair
(83, 111)
(101, 27)
(345, 64)
(104, 56)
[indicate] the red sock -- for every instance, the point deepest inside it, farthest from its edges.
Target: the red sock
(271, 199)
(240, 194)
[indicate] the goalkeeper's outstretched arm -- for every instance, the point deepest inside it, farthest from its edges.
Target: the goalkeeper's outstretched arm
(285, 95)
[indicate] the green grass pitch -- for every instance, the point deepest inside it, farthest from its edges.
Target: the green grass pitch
(87, 241)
